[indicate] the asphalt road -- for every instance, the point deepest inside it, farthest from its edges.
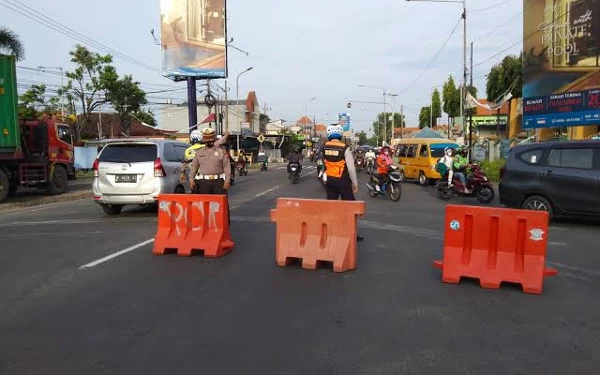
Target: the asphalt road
(242, 314)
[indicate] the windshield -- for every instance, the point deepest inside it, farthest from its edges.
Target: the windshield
(437, 150)
(64, 134)
(130, 153)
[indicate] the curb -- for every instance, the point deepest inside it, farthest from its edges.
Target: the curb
(68, 197)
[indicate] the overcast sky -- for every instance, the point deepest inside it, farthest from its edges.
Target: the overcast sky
(299, 49)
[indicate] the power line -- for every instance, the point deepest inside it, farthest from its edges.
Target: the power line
(490, 7)
(53, 24)
(499, 27)
(434, 57)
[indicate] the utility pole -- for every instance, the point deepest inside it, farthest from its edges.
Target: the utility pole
(471, 114)
(384, 121)
(401, 121)
(192, 103)
(464, 90)
(226, 109)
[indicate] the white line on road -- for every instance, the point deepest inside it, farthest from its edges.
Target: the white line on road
(309, 173)
(267, 191)
(118, 253)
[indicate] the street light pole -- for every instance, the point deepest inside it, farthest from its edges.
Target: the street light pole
(384, 140)
(237, 103)
(306, 113)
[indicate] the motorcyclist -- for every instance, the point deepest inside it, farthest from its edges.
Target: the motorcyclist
(370, 154)
(383, 161)
(242, 161)
(460, 167)
(295, 156)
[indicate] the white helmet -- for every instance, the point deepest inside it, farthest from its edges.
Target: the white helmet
(195, 136)
(334, 131)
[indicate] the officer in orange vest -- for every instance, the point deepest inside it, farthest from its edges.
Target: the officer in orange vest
(339, 167)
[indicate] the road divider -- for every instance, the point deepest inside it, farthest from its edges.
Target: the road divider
(316, 230)
(496, 245)
(193, 222)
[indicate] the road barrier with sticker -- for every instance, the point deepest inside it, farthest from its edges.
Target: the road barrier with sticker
(316, 230)
(496, 245)
(190, 222)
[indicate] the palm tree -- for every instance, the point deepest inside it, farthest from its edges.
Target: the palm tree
(10, 43)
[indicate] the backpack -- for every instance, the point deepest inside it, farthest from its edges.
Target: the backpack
(441, 167)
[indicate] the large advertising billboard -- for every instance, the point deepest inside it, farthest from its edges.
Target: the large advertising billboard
(561, 62)
(344, 121)
(193, 39)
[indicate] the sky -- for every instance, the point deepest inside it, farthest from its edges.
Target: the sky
(298, 49)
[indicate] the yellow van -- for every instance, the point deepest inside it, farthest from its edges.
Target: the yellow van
(418, 157)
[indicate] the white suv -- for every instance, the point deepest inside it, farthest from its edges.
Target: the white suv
(136, 172)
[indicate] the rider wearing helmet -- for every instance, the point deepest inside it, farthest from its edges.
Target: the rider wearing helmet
(383, 161)
(339, 166)
(295, 157)
(196, 144)
(460, 166)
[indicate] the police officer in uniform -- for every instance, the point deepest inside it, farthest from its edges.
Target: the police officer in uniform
(196, 144)
(339, 166)
(211, 168)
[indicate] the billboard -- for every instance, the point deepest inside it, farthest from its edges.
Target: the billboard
(344, 121)
(193, 39)
(561, 63)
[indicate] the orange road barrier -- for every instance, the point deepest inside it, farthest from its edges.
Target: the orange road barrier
(189, 222)
(496, 245)
(316, 230)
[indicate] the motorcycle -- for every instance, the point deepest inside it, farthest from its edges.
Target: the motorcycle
(233, 168)
(321, 176)
(263, 162)
(477, 183)
(370, 166)
(241, 167)
(391, 187)
(294, 172)
(359, 164)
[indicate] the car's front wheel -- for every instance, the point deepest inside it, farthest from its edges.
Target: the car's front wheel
(538, 203)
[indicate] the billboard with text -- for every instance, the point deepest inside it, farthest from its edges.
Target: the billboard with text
(193, 39)
(344, 121)
(561, 63)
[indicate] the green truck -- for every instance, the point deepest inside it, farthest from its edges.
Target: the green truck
(33, 153)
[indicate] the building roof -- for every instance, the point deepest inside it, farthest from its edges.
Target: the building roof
(111, 127)
(304, 120)
(427, 132)
(320, 128)
(486, 112)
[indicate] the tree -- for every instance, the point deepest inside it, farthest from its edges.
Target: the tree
(11, 44)
(263, 120)
(362, 138)
(33, 103)
(502, 77)
(473, 91)
(424, 117)
(147, 117)
(436, 107)
(397, 121)
(451, 99)
(124, 94)
(86, 83)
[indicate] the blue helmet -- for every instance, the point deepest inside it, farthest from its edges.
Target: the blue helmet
(334, 132)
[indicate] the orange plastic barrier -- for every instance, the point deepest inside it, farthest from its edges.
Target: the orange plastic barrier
(496, 245)
(317, 230)
(188, 222)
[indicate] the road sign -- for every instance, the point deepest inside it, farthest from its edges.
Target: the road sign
(261, 138)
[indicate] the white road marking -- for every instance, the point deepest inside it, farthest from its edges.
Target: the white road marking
(309, 173)
(80, 221)
(22, 212)
(267, 191)
(118, 253)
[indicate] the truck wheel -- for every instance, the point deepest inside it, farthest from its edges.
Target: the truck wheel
(4, 186)
(58, 181)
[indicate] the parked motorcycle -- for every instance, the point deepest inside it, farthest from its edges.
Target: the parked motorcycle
(477, 183)
(391, 188)
(294, 172)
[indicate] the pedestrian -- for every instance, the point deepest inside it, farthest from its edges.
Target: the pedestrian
(210, 171)
(339, 168)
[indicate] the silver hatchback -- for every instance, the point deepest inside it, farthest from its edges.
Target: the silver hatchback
(136, 172)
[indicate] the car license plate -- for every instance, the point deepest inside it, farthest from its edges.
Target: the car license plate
(126, 178)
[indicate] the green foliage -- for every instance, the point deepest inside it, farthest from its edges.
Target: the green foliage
(436, 107)
(124, 94)
(378, 125)
(11, 44)
(33, 103)
(146, 117)
(492, 169)
(451, 98)
(424, 117)
(362, 138)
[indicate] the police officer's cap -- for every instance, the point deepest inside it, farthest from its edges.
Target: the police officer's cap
(208, 134)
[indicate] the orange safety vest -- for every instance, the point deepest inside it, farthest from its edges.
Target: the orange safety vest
(335, 159)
